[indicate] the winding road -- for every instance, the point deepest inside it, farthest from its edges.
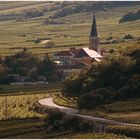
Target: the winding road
(71, 111)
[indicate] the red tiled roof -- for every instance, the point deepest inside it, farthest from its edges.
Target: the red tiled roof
(64, 53)
(75, 51)
(79, 53)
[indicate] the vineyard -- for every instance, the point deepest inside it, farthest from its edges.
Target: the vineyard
(20, 106)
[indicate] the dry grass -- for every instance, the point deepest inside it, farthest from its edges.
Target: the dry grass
(19, 106)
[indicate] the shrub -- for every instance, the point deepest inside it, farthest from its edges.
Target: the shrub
(53, 116)
(110, 38)
(131, 90)
(58, 121)
(129, 36)
(90, 101)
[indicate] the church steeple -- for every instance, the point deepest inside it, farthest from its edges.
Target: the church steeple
(94, 38)
(94, 29)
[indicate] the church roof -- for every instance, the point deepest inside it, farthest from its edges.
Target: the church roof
(93, 29)
(91, 53)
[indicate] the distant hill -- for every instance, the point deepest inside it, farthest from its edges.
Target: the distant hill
(12, 10)
(70, 8)
(130, 16)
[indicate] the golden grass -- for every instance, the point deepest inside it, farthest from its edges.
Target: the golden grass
(18, 106)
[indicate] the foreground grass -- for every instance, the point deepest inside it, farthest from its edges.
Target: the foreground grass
(33, 128)
(92, 136)
(22, 128)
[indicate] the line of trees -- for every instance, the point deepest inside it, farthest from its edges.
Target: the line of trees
(26, 64)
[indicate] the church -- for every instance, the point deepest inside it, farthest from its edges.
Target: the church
(82, 56)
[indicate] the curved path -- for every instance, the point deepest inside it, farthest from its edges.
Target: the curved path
(49, 102)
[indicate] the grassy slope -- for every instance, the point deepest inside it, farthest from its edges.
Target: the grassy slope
(126, 111)
(73, 33)
(17, 7)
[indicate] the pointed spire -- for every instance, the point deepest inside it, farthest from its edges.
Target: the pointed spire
(94, 29)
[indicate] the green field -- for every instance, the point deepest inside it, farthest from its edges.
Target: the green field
(73, 32)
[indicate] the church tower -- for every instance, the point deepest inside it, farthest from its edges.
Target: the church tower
(94, 38)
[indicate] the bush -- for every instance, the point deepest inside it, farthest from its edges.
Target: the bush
(129, 36)
(131, 90)
(90, 101)
(109, 38)
(58, 121)
(96, 98)
(53, 116)
(32, 14)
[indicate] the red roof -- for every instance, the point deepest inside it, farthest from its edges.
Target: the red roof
(64, 53)
(79, 53)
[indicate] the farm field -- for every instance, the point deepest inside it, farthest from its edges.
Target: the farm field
(72, 33)
(35, 128)
(28, 88)
(20, 99)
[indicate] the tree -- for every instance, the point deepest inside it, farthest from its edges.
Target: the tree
(48, 69)
(21, 62)
(90, 101)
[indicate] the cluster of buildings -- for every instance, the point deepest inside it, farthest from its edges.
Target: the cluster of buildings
(75, 59)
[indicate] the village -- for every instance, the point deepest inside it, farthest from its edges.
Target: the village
(70, 60)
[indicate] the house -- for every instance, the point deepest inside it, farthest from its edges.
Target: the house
(86, 56)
